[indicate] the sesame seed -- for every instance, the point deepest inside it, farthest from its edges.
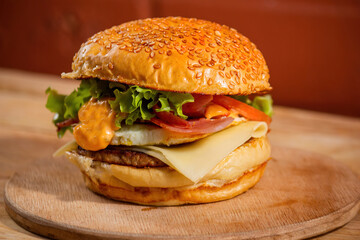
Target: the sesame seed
(213, 60)
(243, 57)
(202, 43)
(222, 74)
(157, 66)
(212, 45)
(111, 66)
(192, 57)
(202, 62)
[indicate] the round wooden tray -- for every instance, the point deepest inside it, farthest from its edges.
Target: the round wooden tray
(301, 194)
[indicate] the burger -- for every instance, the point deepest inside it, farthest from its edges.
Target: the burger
(169, 111)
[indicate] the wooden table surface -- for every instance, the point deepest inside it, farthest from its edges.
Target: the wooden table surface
(25, 124)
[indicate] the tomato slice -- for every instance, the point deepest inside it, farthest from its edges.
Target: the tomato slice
(170, 118)
(197, 108)
(198, 126)
(241, 108)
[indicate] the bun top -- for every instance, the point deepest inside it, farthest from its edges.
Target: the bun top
(174, 54)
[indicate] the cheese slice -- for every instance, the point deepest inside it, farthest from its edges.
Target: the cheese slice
(72, 145)
(195, 160)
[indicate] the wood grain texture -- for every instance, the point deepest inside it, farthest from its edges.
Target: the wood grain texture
(302, 194)
(27, 136)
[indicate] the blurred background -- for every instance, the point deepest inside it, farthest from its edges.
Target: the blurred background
(312, 47)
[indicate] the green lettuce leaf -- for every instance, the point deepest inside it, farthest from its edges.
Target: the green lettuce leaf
(177, 100)
(264, 104)
(138, 102)
(55, 103)
(67, 107)
(131, 103)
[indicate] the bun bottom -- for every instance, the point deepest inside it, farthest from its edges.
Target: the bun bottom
(177, 196)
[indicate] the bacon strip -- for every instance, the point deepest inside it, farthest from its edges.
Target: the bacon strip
(197, 108)
(66, 123)
(198, 126)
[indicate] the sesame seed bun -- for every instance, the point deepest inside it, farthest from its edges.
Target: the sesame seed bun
(174, 54)
(235, 174)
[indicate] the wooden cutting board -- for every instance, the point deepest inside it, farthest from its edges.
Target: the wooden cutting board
(301, 194)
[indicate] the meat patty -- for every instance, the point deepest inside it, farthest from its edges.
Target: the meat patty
(116, 155)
